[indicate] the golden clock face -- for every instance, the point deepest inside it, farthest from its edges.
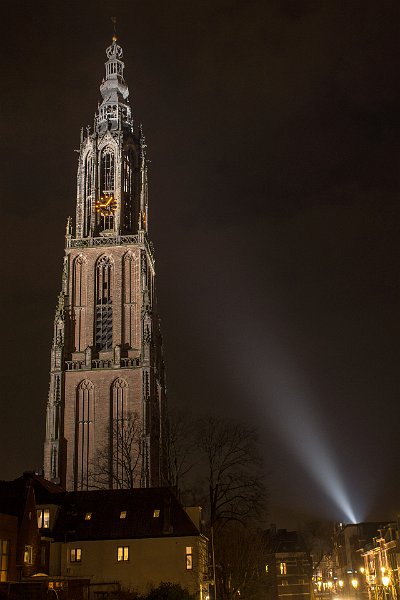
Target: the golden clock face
(106, 205)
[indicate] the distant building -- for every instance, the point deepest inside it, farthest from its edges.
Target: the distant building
(23, 553)
(349, 575)
(288, 566)
(382, 563)
(106, 355)
(103, 540)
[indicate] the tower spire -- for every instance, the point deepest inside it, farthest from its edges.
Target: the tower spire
(114, 111)
(114, 20)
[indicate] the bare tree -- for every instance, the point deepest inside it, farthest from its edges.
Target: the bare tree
(119, 463)
(317, 535)
(236, 490)
(180, 446)
(239, 569)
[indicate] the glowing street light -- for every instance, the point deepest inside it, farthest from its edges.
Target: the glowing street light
(354, 583)
(386, 580)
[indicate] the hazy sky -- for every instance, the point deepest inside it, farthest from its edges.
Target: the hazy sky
(272, 129)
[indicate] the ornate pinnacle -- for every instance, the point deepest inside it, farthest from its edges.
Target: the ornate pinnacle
(68, 228)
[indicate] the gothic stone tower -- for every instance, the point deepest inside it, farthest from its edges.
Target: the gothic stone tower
(106, 356)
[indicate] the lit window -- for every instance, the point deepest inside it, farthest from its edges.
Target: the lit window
(266, 568)
(122, 514)
(75, 555)
(123, 553)
(43, 517)
(28, 555)
(282, 568)
(189, 558)
(4, 547)
(156, 513)
(88, 516)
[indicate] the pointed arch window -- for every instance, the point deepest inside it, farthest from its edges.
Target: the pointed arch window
(128, 170)
(88, 194)
(79, 297)
(130, 282)
(107, 177)
(79, 281)
(119, 442)
(84, 433)
(104, 292)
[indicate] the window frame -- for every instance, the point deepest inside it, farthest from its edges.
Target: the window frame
(122, 554)
(189, 558)
(43, 517)
(4, 559)
(75, 555)
(28, 554)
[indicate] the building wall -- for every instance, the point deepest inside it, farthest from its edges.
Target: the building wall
(8, 534)
(151, 561)
(135, 357)
(29, 537)
(289, 576)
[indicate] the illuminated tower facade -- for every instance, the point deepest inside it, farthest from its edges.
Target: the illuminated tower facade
(106, 357)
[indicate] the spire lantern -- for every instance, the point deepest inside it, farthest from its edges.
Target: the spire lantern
(114, 111)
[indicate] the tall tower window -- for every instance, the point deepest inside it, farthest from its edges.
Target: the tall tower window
(104, 284)
(130, 281)
(107, 171)
(128, 165)
(88, 193)
(84, 426)
(120, 442)
(79, 295)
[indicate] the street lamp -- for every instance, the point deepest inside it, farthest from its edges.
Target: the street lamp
(386, 583)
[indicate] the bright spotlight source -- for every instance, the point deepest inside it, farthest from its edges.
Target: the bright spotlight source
(341, 583)
(354, 583)
(385, 580)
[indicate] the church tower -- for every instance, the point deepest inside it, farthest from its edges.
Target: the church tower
(107, 384)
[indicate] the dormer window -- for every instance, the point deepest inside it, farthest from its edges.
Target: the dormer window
(88, 516)
(43, 518)
(156, 513)
(122, 514)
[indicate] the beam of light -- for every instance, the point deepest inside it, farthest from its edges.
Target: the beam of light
(302, 432)
(290, 407)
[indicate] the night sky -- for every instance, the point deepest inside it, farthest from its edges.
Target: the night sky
(272, 130)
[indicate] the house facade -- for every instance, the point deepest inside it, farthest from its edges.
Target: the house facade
(288, 566)
(99, 542)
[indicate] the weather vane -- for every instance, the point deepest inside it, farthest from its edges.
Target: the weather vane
(114, 20)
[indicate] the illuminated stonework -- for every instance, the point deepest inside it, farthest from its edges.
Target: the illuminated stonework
(106, 356)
